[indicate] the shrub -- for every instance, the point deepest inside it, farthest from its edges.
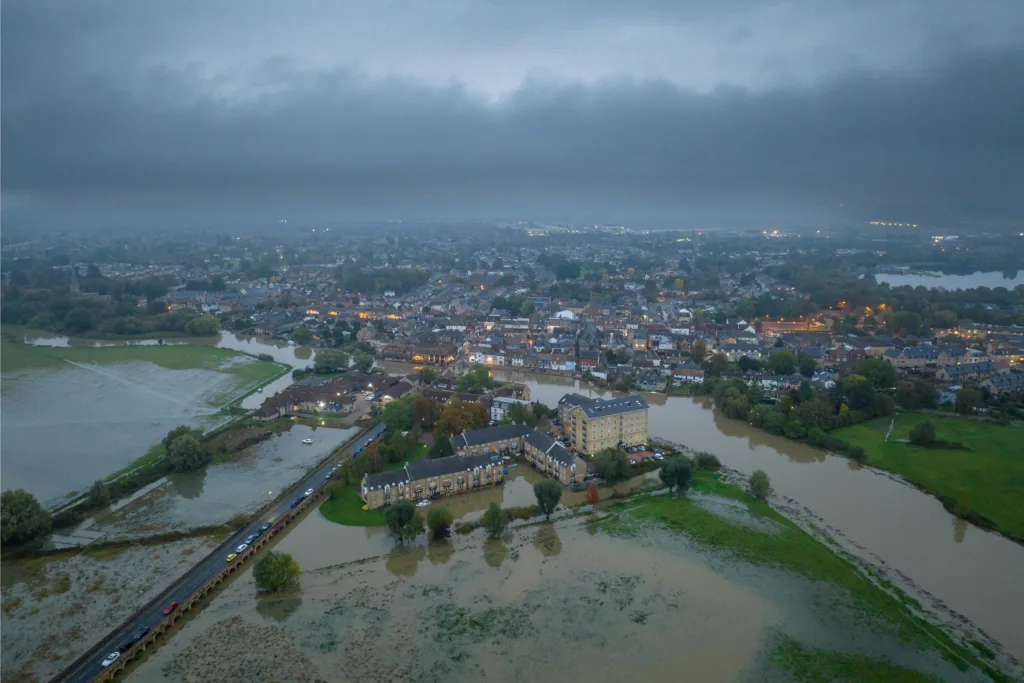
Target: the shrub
(923, 434)
(22, 518)
(495, 520)
(708, 461)
(593, 497)
(439, 521)
(266, 357)
(404, 522)
(857, 453)
(760, 485)
(521, 511)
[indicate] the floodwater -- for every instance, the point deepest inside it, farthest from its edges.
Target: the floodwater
(215, 494)
(545, 603)
(64, 428)
(972, 571)
(990, 279)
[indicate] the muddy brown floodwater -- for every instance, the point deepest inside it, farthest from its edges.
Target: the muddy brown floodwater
(545, 603)
(974, 572)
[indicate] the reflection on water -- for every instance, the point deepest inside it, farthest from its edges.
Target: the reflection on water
(439, 552)
(546, 540)
(278, 607)
(188, 485)
(890, 521)
(959, 529)
(403, 560)
(495, 551)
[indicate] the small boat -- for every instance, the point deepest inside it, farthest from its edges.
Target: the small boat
(308, 442)
(423, 503)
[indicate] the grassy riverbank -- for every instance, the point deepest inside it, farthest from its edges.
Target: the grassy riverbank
(987, 479)
(792, 549)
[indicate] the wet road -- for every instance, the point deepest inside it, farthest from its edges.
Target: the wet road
(90, 665)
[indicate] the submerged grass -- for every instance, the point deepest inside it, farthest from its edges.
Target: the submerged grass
(792, 549)
(810, 665)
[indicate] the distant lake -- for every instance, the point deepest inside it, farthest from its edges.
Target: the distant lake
(990, 279)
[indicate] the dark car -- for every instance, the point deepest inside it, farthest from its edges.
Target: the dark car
(296, 502)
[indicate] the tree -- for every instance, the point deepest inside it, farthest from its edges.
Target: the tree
(476, 381)
(923, 434)
(459, 416)
(397, 414)
(966, 399)
(906, 395)
(860, 393)
(880, 371)
(202, 326)
(494, 520)
(806, 363)
(425, 411)
(403, 521)
(439, 521)
(180, 430)
(99, 494)
(302, 335)
(429, 375)
(676, 472)
(611, 464)
(548, 493)
(760, 485)
(593, 496)
(520, 413)
(275, 571)
(746, 363)
(22, 518)
(719, 363)
(362, 361)
(698, 350)
(186, 454)
(782, 362)
(330, 360)
(442, 448)
(904, 323)
(78, 320)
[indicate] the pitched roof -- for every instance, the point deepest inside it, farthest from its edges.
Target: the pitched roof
(477, 437)
(616, 406)
(573, 399)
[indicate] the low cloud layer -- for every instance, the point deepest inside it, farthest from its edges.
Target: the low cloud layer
(285, 130)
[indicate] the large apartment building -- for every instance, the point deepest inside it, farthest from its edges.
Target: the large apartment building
(595, 424)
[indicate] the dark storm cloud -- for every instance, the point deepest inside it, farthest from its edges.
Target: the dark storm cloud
(79, 124)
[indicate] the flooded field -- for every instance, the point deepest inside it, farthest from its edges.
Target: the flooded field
(54, 610)
(69, 423)
(937, 558)
(546, 603)
(215, 494)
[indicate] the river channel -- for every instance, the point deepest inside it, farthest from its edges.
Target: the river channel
(974, 572)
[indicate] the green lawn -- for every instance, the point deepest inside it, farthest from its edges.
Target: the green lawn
(250, 375)
(152, 455)
(346, 507)
(791, 548)
(988, 479)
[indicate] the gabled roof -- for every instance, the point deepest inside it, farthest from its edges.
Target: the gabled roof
(477, 437)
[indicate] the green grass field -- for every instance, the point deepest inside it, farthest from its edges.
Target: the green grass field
(795, 550)
(988, 479)
(346, 507)
(250, 373)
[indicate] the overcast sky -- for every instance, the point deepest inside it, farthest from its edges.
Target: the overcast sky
(462, 108)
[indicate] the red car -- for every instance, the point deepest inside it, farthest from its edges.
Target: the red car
(171, 607)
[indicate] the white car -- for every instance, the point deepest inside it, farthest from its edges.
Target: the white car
(309, 492)
(308, 442)
(241, 548)
(423, 503)
(111, 658)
